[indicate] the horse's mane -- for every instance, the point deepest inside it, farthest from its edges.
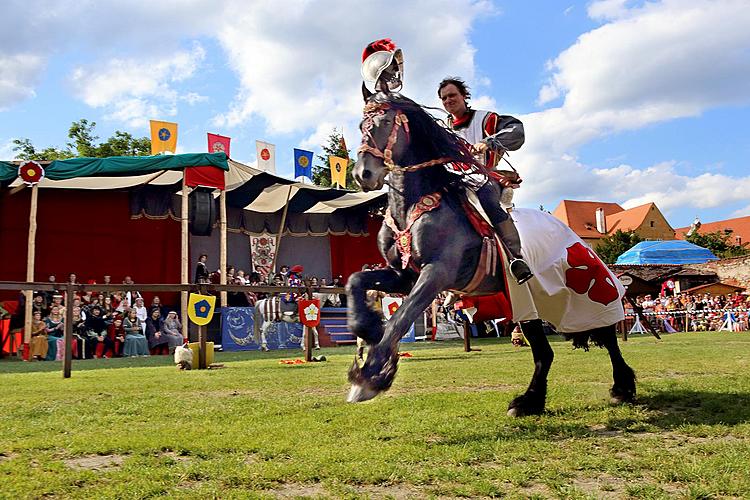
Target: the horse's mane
(430, 139)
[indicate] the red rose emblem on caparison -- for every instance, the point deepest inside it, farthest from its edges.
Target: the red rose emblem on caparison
(587, 274)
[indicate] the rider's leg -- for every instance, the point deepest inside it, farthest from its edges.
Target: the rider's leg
(489, 198)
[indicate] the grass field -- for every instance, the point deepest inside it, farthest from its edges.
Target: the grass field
(136, 428)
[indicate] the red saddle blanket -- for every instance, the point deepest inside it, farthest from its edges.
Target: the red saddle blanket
(489, 306)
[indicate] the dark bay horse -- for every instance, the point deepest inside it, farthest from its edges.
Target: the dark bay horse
(401, 139)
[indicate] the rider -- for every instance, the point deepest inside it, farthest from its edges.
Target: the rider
(490, 135)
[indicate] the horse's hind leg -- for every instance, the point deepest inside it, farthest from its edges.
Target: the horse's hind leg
(623, 390)
(533, 400)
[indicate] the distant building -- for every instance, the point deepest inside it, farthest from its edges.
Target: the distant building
(738, 229)
(594, 220)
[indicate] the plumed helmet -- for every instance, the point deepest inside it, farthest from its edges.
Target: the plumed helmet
(379, 56)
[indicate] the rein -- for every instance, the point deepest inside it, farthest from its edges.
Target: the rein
(371, 111)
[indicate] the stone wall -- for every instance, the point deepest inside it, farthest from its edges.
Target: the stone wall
(735, 271)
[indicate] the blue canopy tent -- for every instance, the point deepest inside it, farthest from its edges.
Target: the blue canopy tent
(666, 252)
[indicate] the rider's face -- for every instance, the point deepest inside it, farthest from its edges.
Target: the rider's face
(453, 102)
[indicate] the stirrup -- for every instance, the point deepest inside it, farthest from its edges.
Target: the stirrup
(520, 271)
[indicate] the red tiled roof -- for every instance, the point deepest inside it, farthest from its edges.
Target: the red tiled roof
(580, 216)
(739, 226)
(629, 219)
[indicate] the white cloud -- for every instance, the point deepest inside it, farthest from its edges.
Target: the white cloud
(20, 73)
(301, 69)
(136, 90)
(647, 64)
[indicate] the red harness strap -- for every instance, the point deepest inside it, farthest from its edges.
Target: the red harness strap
(425, 204)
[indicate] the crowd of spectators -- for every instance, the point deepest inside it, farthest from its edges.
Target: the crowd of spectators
(112, 324)
(694, 311)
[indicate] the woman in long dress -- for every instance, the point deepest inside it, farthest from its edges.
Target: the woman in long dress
(55, 330)
(157, 342)
(38, 337)
(172, 329)
(135, 342)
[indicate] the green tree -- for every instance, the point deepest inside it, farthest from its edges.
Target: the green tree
(322, 171)
(612, 246)
(719, 242)
(82, 143)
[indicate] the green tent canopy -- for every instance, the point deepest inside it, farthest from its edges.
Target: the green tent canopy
(116, 166)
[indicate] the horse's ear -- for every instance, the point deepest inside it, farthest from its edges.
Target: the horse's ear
(366, 94)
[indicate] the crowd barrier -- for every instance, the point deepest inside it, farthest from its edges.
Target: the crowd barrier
(730, 319)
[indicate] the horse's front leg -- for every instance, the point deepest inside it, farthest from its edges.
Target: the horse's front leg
(533, 400)
(378, 372)
(362, 320)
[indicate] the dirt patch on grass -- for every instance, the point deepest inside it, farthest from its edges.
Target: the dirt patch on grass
(7, 456)
(601, 486)
(99, 463)
(177, 457)
(317, 490)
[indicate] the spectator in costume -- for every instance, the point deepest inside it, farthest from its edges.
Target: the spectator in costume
(55, 330)
(38, 344)
(158, 343)
(135, 341)
(172, 330)
(141, 311)
(201, 270)
(95, 331)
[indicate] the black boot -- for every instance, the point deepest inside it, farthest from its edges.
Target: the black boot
(489, 198)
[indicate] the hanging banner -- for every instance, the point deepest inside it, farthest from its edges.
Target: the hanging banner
(338, 170)
(263, 250)
(266, 156)
(201, 308)
(218, 144)
(163, 137)
(309, 311)
(303, 163)
(390, 306)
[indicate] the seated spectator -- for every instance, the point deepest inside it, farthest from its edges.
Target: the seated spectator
(40, 304)
(135, 341)
(55, 330)
(78, 332)
(141, 311)
(156, 303)
(95, 331)
(158, 343)
(172, 329)
(38, 344)
(116, 333)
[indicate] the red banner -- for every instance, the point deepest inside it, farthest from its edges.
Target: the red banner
(309, 312)
(218, 144)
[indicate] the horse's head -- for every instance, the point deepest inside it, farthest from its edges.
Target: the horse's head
(385, 139)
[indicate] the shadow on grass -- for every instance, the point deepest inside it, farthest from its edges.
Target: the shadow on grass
(678, 407)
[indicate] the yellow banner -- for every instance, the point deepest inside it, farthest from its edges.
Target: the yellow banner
(338, 170)
(163, 137)
(201, 308)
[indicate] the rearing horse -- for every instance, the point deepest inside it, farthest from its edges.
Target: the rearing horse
(430, 246)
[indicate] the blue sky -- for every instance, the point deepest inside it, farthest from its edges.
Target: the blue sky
(623, 101)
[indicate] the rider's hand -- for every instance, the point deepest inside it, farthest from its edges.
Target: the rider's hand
(479, 147)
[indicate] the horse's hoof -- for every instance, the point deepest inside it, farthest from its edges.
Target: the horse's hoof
(359, 393)
(513, 412)
(620, 400)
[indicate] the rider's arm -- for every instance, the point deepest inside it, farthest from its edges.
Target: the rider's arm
(508, 133)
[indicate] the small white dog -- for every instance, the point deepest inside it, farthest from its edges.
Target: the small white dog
(183, 357)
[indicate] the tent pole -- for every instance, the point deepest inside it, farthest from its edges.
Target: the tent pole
(30, 253)
(184, 276)
(281, 230)
(223, 244)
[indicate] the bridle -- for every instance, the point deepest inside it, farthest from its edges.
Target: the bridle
(373, 110)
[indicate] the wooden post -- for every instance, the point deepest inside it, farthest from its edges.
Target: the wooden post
(202, 347)
(30, 253)
(223, 244)
(184, 270)
(281, 230)
(68, 359)
(467, 335)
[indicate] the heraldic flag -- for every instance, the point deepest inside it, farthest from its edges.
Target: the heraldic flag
(303, 163)
(163, 137)
(338, 170)
(266, 156)
(218, 144)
